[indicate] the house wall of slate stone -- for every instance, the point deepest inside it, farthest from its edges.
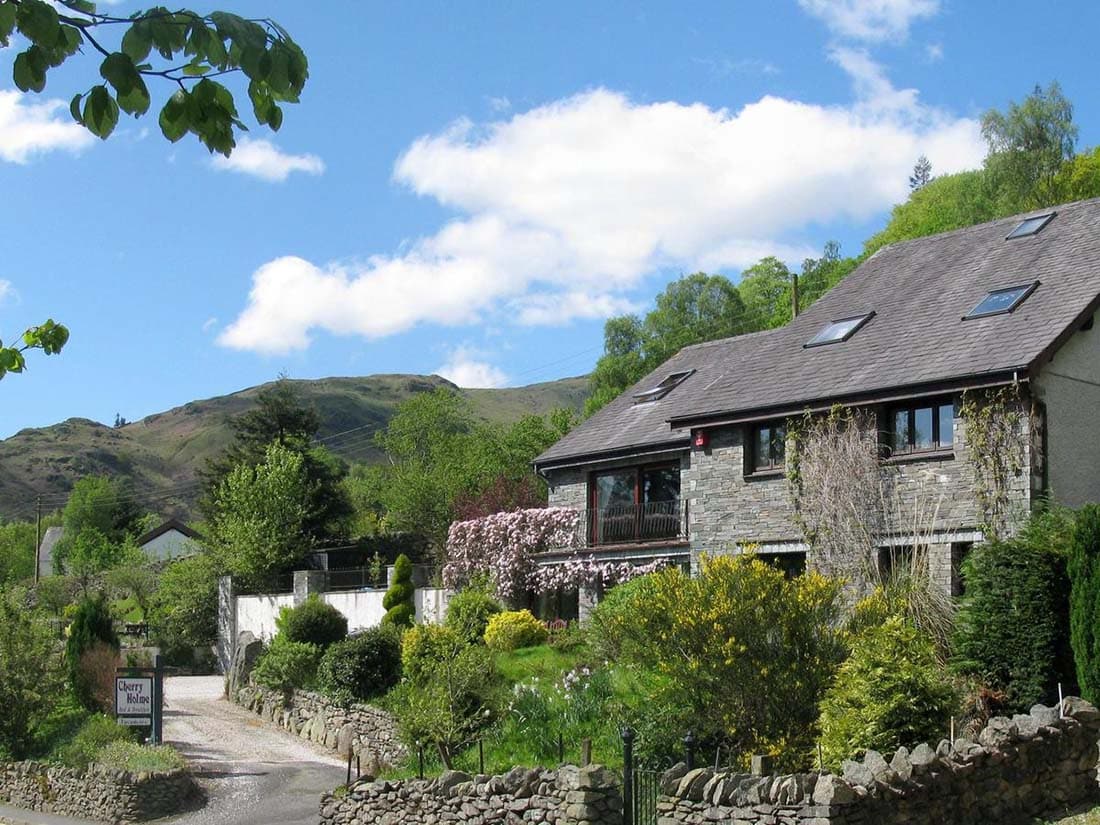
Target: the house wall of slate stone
(363, 730)
(97, 793)
(567, 796)
(1029, 767)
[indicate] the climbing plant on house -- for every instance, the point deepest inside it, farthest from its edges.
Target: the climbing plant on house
(996, 444)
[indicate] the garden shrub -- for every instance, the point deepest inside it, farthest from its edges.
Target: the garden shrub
(313, 621)
(123, 755)
(183, 611)
(424, 646)
(890, 692)
(91, 624)
(515, 629)
(469, 612)
(611, 626)
(362, 667)
(94, 734)
(1012, 623)
(98, 665)
(400, 599)
(287, 665)
(1084, 574)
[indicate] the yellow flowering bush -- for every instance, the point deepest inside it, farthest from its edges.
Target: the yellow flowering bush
(514, 629)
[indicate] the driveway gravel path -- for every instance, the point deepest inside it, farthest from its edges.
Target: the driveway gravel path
(253, 773)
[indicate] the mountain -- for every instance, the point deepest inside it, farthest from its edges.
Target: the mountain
(161, 454)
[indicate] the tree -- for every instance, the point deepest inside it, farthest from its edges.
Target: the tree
(91, 626)
(281, 417)
(183, 47)
(88, 554)
(1084, 575)
(30, 673)
(399, 600)
(183, 611)
(766, 290)
(922, 173)
(49, 336)
(1028, 146)
(16, 551)
(694, 308)
(100, 515)
(260, 512)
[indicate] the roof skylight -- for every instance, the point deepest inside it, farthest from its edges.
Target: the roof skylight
(670, 382)
(1000, 301)
(840, 330)
(1030, 226)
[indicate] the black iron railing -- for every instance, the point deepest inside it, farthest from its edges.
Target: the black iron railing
(633, 524)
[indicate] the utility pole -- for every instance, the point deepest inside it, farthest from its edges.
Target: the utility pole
(37, 538)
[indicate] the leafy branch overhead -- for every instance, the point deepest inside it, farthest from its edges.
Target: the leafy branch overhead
(183, 47)
(49, 337)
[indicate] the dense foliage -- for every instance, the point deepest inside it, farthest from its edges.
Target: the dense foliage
(91, 624)
(286, 665)
(97, 731)
(400, 598)
(513, 630)
(1012, 623)
(890, 692)
(469, 611)
(313, 621)
(31, 673)
(183, 610)
(362, 667)
(424, 646)
(1084, 573)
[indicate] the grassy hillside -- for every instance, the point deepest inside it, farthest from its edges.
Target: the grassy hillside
(164, 451)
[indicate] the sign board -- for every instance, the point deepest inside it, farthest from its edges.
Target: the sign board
(134, 698)
(136, 721)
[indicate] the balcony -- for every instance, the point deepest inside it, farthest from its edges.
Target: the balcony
(658, 521)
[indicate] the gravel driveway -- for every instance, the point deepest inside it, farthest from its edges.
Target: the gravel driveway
(253, 773)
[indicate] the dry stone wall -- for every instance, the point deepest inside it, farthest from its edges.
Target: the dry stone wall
(567, 796)
(1029, 766)
(97, 793)
(362, 730)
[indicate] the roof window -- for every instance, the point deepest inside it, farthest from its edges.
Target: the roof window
(1030, 226)
(662, 389)
(1000, 301)
(840, 330)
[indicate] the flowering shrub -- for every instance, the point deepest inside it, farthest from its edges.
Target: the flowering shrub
(515, 629)
(424, 646)
(503, 548)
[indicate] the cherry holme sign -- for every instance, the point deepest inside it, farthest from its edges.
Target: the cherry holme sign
(134, 700)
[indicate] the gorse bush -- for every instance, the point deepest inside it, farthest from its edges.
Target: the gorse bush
(611, 625)
(1084, 573)
(362, 667)
(287, 665)
(1012, 623)
(313, 622)
(424, 646)
(890, 692)
(400, 599)
(469, 611)
(515, 629)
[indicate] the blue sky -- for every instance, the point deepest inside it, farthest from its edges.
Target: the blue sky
(472, 188)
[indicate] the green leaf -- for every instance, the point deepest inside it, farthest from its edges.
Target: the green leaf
(137, 42)
(173, 117)
(7, 22)
(85, 6)
(255, 62)
(29, 71)
(136, 100)
(275, 117)
(74, 108)
(279, 77)
(68, 42)
(118, 70)
(215, 51)
(39, 22)
(100, 112)
(195, 69)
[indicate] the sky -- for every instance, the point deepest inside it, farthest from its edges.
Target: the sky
(472, 188)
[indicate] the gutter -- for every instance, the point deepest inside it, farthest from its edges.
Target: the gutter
(588, 459)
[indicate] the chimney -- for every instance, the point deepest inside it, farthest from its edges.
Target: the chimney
(794, 294)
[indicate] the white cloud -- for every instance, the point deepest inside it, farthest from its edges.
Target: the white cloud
(871, 20)
(565, 209)
(464, 369)
(263, 159)
(209, 323)
(500, 104)
(726, 66)
(7, 292)
(30, 127)
(933, 52)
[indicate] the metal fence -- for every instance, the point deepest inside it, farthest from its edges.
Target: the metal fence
(642, 786)
(265, 585)
(633, 524)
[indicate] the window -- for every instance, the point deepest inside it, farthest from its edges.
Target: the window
(894, 562)
(768, 447)
(634, 504)
(841, 330)
(1030, 226)
(921, 427)
(1002, 300)
(792, 564)
(662, 389)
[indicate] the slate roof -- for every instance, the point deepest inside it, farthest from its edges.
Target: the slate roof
(916, 342)
(170, 524)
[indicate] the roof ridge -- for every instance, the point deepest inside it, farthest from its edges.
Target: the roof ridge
(743, 336)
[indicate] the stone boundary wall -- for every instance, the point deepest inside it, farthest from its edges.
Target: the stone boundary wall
(1032, 765)
(97, 793)
(362, 730)
(567, 796)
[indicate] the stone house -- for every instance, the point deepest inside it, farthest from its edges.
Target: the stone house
(694, 458)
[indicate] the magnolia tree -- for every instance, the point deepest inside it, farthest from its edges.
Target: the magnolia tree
(504, 547)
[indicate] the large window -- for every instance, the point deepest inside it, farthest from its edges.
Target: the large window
(635, 504)
(921, 426)
(768, 447)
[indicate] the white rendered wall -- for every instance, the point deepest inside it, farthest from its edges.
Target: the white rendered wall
(257, 614)
(170, 545)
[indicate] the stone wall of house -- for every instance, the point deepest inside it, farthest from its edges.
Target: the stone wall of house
(97, 793)
(362, 730)
(1019, 769)
(567, 796)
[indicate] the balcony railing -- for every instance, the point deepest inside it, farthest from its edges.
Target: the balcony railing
(633, 524)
